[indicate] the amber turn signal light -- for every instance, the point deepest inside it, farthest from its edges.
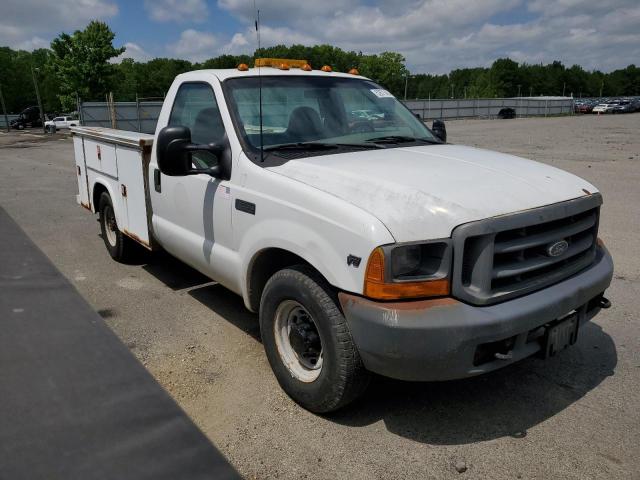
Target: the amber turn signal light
(375, 286)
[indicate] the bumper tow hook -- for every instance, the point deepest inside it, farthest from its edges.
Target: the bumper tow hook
(504, 356)
(605, 303)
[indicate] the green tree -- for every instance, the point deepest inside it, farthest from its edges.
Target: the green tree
(81, 63)
(387, 69)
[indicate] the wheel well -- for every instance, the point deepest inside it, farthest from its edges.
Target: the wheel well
(264, 265)
(98, 188)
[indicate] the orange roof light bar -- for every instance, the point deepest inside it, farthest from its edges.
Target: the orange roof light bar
(279, 62)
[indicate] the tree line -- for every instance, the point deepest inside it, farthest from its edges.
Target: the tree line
(81, 66)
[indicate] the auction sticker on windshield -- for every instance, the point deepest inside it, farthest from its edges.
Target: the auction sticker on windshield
(381, 93)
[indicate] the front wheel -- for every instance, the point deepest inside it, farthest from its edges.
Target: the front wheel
(308, 343)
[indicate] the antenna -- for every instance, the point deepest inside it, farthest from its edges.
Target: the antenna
(259, 81)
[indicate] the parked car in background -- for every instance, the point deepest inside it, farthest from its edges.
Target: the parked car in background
(29, 117)
(624, 106)
(507, 113)
(584, 107)
(604, 108)
(62, 122)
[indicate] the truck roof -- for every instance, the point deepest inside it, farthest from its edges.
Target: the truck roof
(225, 73)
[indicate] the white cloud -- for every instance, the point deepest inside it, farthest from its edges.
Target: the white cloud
(195, 46)
(439, 35)
(40, 19)
(134, 51)
(177, 10)
(237, 45)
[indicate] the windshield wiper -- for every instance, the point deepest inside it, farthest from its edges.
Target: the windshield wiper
(317, 146)
(401, 139)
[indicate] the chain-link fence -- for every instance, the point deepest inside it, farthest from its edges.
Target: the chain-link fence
(3, 124)
(488, 107)
(134, 116)
(142, 116)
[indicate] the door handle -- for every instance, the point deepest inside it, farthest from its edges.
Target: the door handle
(157, 180)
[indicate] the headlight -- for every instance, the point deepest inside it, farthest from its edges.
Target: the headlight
(410, 270)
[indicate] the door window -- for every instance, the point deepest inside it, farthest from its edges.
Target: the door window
(195, 107)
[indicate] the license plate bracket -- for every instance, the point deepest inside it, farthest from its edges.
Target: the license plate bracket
(560, 335)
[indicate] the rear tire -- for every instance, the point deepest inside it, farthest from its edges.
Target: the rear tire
(119, 246)
(308, 342)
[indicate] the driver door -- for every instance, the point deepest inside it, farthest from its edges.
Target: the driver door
(192, 214)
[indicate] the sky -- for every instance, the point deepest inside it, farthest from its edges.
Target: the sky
(435, 36)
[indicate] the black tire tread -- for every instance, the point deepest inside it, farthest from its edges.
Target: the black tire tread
(354, 378)
(123, 251)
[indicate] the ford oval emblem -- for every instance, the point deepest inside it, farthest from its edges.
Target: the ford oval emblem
(556, 249)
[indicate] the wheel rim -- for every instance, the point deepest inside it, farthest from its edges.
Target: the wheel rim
(110, 225)
(298, 341)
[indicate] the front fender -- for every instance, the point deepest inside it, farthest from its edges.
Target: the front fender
(325, 255)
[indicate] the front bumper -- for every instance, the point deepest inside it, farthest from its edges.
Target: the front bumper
(438, 339)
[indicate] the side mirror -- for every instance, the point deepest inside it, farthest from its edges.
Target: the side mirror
(439, 130)
(174, 149)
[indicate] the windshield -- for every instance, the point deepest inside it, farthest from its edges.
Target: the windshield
(333, 111)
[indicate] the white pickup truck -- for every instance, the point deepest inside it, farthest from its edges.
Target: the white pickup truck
(365, 243)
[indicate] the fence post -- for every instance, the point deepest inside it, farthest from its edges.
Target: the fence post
(4, 110)
(138, 113)
(112, 110)
(546, 107)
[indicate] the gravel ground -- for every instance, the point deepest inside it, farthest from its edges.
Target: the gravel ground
(576, 416)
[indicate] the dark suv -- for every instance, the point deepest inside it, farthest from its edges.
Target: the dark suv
(29, 117)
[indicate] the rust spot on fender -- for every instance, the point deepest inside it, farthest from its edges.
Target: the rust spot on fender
(349, 301)
(137, 239)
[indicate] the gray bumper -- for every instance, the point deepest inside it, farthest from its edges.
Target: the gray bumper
(438, 339)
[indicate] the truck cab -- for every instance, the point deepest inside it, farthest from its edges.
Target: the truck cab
(364, 242)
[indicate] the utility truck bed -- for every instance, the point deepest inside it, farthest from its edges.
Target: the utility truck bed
(117, 161)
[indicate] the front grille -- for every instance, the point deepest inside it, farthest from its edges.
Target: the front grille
(508, 256)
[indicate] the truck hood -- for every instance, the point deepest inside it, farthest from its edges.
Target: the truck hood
(424, 192)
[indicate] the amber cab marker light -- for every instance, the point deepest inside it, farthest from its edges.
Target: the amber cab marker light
(326, 68)
(243, 67)
(376, 288)
(354, 71)
(283, 66)
(306, 67)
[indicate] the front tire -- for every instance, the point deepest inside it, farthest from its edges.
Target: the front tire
(308, 342)
(118, 245)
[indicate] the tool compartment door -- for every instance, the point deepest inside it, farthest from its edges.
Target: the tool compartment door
(132, 191)
(101, 157)
(81, 172)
